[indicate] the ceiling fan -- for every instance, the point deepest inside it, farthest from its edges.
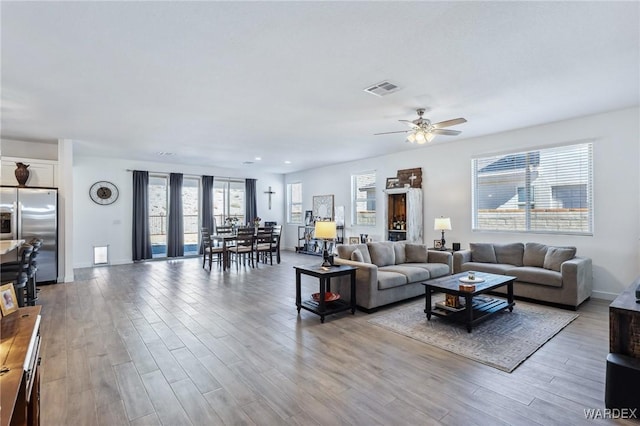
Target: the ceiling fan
(422, 130)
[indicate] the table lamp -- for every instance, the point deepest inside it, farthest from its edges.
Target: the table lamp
(325, 231)
(442, 224)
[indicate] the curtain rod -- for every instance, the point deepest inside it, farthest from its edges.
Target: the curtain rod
(188, 174)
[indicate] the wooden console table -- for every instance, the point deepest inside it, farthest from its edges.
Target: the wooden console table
(20, 372)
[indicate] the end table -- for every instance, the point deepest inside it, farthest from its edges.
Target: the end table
(324, 274)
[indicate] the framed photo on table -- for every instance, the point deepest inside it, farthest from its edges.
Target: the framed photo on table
(437, 244)
(8, 301)
(308, 217)
(354, 240)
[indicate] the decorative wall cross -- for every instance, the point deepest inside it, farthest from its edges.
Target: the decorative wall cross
(270, 192)
(412, 178)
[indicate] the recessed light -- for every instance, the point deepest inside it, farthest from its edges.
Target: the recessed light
(287, 162)
(164, 153)
(258, 158)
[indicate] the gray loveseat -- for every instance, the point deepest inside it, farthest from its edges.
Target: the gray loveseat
(390, 271)
(545, 273)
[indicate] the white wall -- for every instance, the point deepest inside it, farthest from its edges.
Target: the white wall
(26, 149)
(446, 169)
(96, 225)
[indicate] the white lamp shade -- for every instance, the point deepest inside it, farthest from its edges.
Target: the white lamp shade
(412, 137)
(442, 224)
(325, 230)
(430, 137)
(420, 137)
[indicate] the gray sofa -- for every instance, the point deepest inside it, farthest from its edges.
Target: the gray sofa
(390, 271)
(549, 274)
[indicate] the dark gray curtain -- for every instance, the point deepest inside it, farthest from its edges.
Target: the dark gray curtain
(175, 227)
(207, 205)
(251, 201)
(141, 237)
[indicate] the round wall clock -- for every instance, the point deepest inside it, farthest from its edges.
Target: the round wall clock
(103, 193)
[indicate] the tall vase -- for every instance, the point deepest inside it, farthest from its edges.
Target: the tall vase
(22, 174)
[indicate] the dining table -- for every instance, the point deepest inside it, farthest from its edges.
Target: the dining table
(7, 245)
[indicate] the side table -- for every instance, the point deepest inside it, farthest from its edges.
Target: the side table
(324, 274)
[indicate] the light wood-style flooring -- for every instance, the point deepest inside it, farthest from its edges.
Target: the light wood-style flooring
(167, 342)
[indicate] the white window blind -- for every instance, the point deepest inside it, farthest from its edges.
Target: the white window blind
(549, 190)
(363, 187)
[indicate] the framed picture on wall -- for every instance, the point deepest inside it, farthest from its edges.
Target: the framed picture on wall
(323, 207)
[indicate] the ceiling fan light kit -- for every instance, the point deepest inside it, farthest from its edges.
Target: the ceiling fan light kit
(423, 131)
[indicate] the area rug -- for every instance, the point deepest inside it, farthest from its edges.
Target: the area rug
(502, 341)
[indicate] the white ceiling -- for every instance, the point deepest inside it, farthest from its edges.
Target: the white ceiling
(219, 83)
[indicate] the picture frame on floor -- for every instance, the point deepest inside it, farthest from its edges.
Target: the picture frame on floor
(8, 300)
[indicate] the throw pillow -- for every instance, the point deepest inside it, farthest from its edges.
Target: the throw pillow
(556, 255)
(534, 254)
(510, 254)
(356, 256)
(416, 253)
(482, 252)
(398, 248)
(382, 253)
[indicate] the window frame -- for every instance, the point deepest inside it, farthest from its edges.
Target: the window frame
(225, 185)
(541, 169)
(291, 203)
(355, 199)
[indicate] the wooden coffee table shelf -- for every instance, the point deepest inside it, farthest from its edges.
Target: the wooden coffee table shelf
(476, 308)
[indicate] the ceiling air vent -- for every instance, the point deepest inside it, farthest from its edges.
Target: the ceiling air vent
(382, 89)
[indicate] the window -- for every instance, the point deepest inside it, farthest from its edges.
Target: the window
(363, 190)
(228, 200)
(294, 202)
(561, 178)
(158, 206)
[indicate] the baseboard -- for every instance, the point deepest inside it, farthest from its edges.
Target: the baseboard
(604, 295)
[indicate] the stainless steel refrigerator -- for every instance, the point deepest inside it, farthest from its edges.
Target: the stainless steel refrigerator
(26, 213)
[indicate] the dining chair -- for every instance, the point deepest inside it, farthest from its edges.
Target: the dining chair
(31, 288)
(264, 245)
(18, 273)
(244, 247)
(209, 250)
(277, 236)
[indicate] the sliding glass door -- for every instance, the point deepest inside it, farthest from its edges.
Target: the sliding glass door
(158, 207)
(190, 214)
(228, 200)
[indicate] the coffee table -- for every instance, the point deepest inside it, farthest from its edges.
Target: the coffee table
(474, 310)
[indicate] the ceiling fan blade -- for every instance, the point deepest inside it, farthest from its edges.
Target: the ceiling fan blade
(388, 133)
(448, 123)
(410, 124)
(447, 132)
